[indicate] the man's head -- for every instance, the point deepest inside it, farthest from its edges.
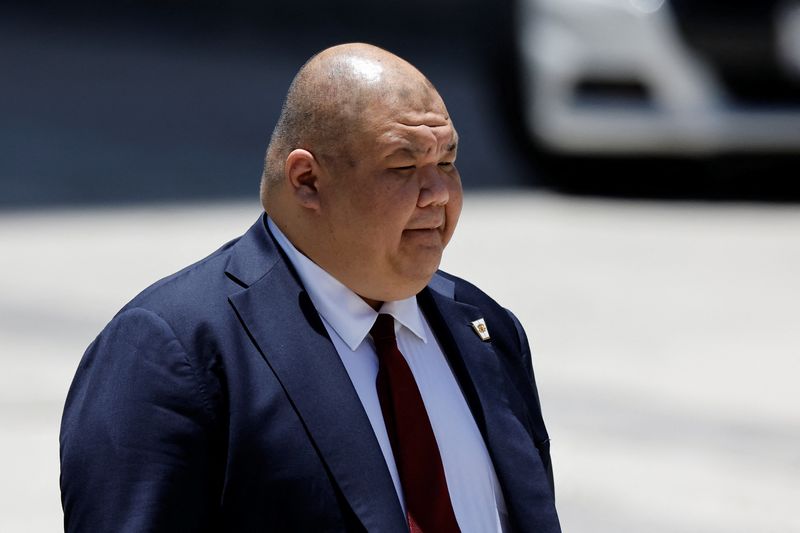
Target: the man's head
(359, 172)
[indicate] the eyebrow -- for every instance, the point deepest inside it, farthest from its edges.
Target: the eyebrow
(413, 151)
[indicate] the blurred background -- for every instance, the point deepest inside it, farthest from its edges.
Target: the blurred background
(631, 167)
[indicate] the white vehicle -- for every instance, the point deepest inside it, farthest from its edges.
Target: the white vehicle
(661, 77)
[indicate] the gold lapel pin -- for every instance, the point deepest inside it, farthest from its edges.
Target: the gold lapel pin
(480, 328)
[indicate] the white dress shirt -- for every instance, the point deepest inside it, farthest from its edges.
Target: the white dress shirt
(471, 480)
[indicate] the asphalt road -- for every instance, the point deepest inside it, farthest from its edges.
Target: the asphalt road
(665, 338)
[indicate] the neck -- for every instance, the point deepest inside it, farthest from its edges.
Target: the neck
(375, 304)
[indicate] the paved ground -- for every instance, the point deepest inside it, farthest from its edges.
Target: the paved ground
(666, 344)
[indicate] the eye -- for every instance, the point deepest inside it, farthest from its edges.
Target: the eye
(446, 164)
(405, 168)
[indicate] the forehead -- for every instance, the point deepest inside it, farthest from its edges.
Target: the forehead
(407, 113)
(416, 131)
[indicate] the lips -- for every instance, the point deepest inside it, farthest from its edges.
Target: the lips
(431, 226)
(427, 236)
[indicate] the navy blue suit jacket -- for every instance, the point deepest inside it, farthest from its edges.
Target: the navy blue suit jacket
(215, 401)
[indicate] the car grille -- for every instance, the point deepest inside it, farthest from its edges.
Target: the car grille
(738, 40)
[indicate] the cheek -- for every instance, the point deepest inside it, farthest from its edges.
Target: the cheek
(394, 207)
(374, 225)
(453, 207)
(377, 215)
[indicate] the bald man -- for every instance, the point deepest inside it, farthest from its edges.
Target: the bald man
(319, 373)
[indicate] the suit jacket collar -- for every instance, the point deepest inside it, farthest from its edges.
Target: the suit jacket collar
(342, 309)
(496, 406)
(279, 316)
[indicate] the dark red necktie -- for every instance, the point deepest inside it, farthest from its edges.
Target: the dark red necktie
(416, 454)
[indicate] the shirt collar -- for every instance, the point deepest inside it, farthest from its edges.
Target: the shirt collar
(349, 315)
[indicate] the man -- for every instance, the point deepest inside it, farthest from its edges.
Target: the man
(318, 373)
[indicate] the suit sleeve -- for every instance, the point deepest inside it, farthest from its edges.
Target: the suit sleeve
(541, 437)
(137, 435)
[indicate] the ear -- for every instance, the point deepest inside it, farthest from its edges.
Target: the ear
(302, 176)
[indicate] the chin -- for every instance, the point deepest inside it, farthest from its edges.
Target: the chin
(421, 278)
(405, 287)
(411, 274)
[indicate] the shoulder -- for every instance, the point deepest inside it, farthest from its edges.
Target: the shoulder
(194, 285)
(167, 338)
(460, 289)
(189, 308)
(200, 291)
(503, 324)
(510, 342)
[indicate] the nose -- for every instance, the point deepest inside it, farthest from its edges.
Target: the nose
(433, 189)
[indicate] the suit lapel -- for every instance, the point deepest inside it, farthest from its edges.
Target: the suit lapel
(280, 318)
(497, 408)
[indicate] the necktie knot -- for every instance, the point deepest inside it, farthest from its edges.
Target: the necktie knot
(383, 329)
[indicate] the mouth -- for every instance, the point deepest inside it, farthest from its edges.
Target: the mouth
(429, 232)
(428, 227)
(426, 236)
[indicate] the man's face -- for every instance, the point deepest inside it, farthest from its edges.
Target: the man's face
(390, 211)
